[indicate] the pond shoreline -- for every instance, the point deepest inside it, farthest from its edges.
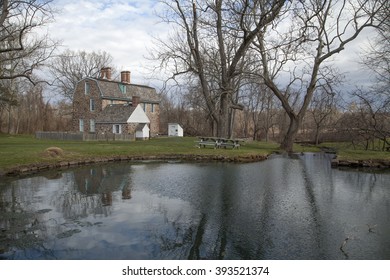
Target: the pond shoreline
(370, 163)
(39, 167)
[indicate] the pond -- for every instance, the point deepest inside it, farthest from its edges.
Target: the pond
(282, 208)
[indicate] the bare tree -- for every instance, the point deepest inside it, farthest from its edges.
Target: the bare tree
(321, 109)
(211, 40)
(70, 67)
(295, 50)
(377, 57)
(22, 49)
(373, 109)
(373, 103)
(261, 110)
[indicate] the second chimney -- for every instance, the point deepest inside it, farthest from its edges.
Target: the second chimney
(105, 73)
(135, 101)
(125, 77)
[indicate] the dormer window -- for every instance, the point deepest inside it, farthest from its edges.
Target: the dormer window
(122, 87)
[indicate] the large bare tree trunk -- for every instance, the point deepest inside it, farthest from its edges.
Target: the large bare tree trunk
(289, 138)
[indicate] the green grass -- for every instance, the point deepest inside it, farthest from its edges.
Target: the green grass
(22, 150)
(345, 151)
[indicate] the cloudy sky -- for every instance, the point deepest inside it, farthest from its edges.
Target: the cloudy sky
(125, 29)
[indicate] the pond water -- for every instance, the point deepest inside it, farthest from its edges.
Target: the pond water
(283, 208)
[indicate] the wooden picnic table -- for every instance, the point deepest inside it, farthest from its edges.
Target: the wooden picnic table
(218, 142)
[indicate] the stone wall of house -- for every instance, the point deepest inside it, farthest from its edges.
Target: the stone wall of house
(106, 102)
(154, 117)
(107, 128)
(81, 104)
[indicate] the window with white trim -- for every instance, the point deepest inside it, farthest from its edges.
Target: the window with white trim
(87, 88)
(117, 129)
(122, 88)
(81, 125)
(91, 125)
(91, 105)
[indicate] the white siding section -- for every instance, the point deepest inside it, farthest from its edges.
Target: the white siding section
(138, 116)
(144, 133)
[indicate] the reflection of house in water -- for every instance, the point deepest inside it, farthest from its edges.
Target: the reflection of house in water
(126, 193)
(104, 181)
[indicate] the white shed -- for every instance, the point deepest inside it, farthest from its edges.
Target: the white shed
(142, 131)
(174, 129)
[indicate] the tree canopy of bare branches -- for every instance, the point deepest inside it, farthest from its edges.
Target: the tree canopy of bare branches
(70, 67)
(23, 44)
(210, 41)
(296, 49)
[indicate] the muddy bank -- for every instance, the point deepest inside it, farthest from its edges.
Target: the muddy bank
(372, 163)
(35, 168)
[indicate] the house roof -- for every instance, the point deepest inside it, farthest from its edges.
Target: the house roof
(115, 113)
(118, 90)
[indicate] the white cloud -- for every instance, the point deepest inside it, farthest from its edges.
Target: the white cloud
(125, 29)
(122, 28)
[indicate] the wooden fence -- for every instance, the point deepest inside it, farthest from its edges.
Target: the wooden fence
(79, 136)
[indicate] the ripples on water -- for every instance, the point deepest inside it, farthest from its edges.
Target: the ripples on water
(282, 208)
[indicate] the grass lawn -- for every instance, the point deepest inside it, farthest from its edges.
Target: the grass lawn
(345, 151)
(22, 150)
(18, 150)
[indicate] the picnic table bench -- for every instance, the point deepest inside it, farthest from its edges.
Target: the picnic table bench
(218, 142)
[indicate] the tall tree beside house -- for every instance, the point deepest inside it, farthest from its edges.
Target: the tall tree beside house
(68, 68)
(210, 41)
(295, 51)
(23, 49)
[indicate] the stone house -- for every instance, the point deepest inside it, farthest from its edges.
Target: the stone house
(101, 105)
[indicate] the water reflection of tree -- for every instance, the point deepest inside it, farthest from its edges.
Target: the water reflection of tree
(211, 232)
(20, 224)
(24, 227)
